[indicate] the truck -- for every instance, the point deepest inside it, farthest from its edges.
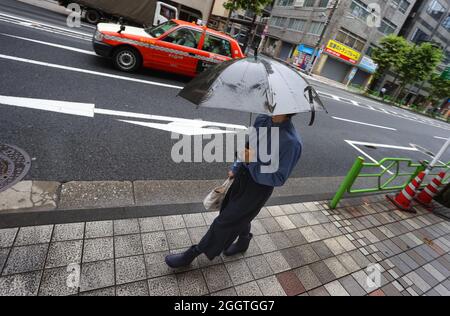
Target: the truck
(131, 12)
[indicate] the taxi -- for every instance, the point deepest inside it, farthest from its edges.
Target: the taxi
(175, 46)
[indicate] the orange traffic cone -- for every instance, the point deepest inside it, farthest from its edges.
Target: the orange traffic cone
(426, 196)
(403, 199)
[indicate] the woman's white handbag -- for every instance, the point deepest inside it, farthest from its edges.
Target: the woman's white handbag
(213, 202)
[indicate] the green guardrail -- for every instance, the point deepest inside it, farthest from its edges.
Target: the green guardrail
(388, 165)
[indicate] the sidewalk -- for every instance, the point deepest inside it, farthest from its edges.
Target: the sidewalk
(298, 249)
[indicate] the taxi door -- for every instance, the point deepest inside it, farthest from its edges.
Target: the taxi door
(216, 50)
(179, 51)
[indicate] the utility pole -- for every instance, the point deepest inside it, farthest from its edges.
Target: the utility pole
(213, 4)
(322, 35)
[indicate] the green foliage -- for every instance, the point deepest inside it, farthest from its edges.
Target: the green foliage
(390, 53)
(255, 6)
(418, 63)
(439, 88)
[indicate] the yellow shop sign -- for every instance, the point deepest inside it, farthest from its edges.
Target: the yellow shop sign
(341, 51)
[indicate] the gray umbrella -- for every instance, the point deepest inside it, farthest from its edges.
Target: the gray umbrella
(255, 84)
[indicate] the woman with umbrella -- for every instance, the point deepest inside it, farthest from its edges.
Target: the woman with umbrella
(261, 86)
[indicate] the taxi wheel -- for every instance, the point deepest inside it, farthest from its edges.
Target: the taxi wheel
(127, 59)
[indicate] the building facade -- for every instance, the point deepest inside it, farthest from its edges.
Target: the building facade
(353, 31)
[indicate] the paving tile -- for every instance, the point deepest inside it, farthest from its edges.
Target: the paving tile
(203, 261)
(227, 292)
(192, 283)
(253, 249)
(194, 220)
(4, 252)
(320, 291)
(440, 289)
(310, 219)
(265, 243)
(293, 257)
(298, 220)
(359, 258)
(336, 267)
(259, 267)
(156, 266)
(7, 237)
(239, 272)
(197, 233)
(173, 222)
(275, 211)
(105, 292)
(321, 249)
(309, 234)
(126, 227)
(154, 242)
(61, 254)
(25, 284)
(133, 289)
(334, 246)
(248, 289)
(321, 232)
(178, 238)
(130, 269)
(99, 229)
(263, 213)
(98, 249)
(288, 209)
(377, 293)
(33, 235)
(409, 261)
(97, 275)
(127, 245)
(152, 224)
(277, 262)
(322, 272)
(258, 228)
(363, 280)
(334, 232)
(67, 232)
(217, 278)
(391, 290)
(281, 240)
(416, 257)
(284, 222)
(270, 286)
(307, 278)
(25, 259)
(290, 283)
(427, 277)
(345, 243)
(351, 286)
(54, 283)
(336, 289)
(308, 254)
(296, 237)
(418, 281)
(403, 267)
(434, 272)
(348, 262)
(271, 225)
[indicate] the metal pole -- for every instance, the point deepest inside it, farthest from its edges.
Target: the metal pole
(322, 35)
(348, 181)
(213, 4)
(438, 156)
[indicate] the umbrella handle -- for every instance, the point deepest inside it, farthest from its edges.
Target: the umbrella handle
(313, 109)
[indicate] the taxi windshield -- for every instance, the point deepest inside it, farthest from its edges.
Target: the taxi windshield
(159, 30)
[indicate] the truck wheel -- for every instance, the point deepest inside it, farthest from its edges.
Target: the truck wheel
(92, 16)
(127, 59)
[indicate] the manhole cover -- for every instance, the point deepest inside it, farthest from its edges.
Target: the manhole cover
(14, 166)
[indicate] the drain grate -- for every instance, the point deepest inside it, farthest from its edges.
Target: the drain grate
(14, 165)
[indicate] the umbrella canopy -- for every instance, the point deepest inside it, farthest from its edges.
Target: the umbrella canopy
(254, 84)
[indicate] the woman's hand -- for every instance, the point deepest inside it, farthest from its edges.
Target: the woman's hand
(230, 174)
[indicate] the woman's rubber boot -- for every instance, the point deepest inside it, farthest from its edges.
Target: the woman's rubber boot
(183, 259)
(240, 246)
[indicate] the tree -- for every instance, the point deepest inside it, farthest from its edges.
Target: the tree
(389, 54)
(418, 64)
(439, 88)
(254, 6)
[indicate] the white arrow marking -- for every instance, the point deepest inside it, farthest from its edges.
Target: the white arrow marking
(175, 124)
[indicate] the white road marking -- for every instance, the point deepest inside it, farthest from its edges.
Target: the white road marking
(439, 137)
(90, 72)
(362, 123)
(72, 108)
(87, 52)
(367, 155)
(25, 20)
(382, 145)
(174, 124)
